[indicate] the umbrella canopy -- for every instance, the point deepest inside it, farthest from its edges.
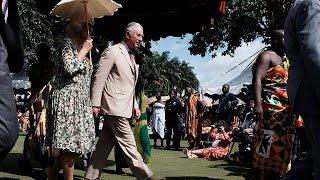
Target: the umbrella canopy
(85, 10)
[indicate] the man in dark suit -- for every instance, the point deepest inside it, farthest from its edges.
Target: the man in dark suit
(9, 128)
(302, 41)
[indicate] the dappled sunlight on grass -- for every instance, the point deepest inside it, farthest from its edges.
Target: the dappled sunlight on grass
(166, 164)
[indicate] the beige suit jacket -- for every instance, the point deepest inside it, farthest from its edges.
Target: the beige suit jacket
(113, 85)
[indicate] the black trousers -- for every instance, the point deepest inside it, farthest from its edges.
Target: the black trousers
(176, 135)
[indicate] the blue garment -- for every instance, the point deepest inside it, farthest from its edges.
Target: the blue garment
(303, 49)
(9, 127)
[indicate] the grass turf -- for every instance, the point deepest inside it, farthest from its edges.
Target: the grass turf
(165, 164)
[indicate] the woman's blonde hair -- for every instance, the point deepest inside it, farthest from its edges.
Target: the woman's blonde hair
(75, 27)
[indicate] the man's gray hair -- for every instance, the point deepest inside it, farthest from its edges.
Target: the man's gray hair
(131, 27)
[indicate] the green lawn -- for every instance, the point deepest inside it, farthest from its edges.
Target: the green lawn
(165, 164)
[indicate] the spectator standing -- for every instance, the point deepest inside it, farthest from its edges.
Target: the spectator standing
(173, 122)
(270, 74)
(227, 101)
(158, 120)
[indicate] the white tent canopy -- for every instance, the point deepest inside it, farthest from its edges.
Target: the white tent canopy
(218, 90)
(245, 77)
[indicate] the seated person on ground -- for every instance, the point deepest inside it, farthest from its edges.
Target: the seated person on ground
(219, 148)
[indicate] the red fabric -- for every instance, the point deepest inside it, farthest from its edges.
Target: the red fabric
(298, 122)
(222, 7)
(219, 151)
(192, 121)
(215, 152)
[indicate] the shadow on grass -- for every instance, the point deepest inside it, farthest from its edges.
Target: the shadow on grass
(76, 177)
(190, 178)
(12, 164)
(108, 171)
(110, 163)
(234, 170)
(159, 148)
(184, 157)
(60, 176)
(171, 149)
(80, 166)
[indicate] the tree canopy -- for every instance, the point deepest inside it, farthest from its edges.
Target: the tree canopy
(244, 21)
(36, 28)
(160, 74)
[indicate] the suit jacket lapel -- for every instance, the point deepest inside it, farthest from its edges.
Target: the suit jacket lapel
(127, 57)
(136, 74)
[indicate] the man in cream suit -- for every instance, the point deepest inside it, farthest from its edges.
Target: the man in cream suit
(113, 96)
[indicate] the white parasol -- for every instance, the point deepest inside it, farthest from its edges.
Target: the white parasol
(85, 10)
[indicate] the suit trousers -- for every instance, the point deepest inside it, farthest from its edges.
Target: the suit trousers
(312, 125)
(117, 130)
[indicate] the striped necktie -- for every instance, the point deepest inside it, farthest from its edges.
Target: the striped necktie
(5, 9)
(132, 56)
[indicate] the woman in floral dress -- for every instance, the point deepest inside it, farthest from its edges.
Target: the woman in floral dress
(71, 126)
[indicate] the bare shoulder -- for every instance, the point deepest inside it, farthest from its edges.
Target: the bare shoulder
(265, 57)
(263, 61)
(269, 56)
(270, 52)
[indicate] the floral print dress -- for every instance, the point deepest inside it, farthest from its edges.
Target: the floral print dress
(71, 125)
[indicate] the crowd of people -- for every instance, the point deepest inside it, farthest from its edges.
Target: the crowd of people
(265, 129)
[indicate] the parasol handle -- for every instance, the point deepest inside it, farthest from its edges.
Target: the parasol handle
(87, 23)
